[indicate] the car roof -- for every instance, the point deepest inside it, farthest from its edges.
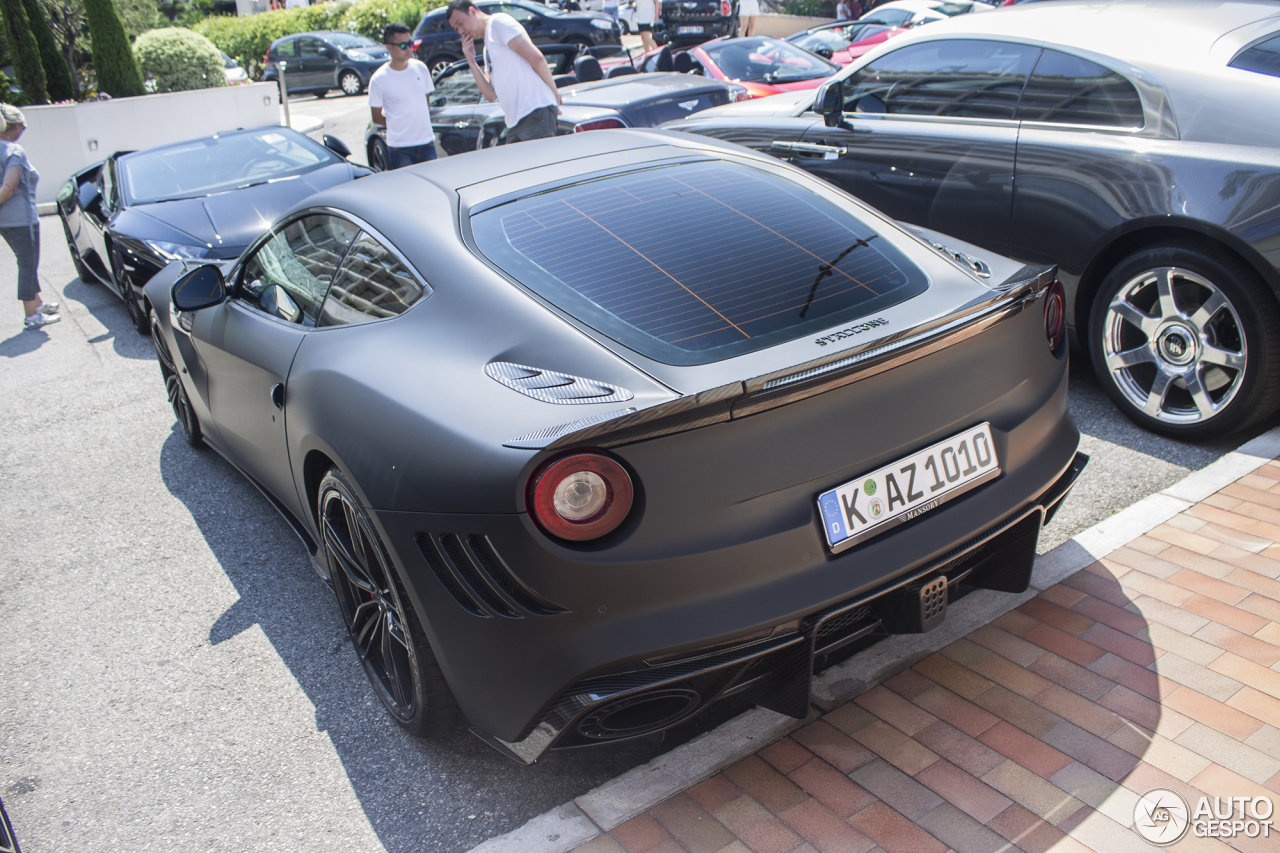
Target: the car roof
(1176, 33)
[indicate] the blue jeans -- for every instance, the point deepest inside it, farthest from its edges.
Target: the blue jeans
(398, 158)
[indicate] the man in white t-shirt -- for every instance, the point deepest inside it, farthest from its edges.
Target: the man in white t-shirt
(515, 73)
(398, 93)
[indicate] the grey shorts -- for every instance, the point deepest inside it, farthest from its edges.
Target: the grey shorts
(539, 124)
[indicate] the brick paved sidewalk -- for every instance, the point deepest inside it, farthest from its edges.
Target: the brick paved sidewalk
(1155, 667)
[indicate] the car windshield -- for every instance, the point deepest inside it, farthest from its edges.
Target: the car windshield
(218, 163)
(349, 40)
(697, 262)
(836, 38)
(228, 62)
(766, 60)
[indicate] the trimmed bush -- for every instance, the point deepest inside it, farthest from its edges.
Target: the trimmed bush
(178, 60)
(247, 39)
(25, 52)
(57, 76)
(113, 61)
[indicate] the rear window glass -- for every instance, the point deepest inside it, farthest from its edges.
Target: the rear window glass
(697, 262)
(1263, 57)
(1071, 90)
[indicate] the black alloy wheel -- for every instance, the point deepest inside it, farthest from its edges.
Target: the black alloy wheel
(187, 420)
(137, 315)
(378, 159)
(1186, 341)
(349, 83)
(380, 619)
(82, 270)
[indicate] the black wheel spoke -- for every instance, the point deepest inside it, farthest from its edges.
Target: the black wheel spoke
(341, 549)
(366, 623)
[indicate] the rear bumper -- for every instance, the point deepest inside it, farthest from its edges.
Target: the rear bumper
(775, 670)
(710, 28)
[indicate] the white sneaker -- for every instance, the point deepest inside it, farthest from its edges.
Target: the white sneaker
(37, 320)
(48, 308)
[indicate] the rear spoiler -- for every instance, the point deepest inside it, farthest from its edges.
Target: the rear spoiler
(827, 372)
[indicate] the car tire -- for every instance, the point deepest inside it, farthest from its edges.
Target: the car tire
(188, 423)
(378, 157)
(440, 62)
(624, 27)
(579, 42)
(137, 315)
(82, 270)
(1186, 341)
(379, 616)
(349, 83)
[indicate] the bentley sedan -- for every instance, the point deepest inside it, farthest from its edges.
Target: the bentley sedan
(1146, 168)
(127, 217)
(575, 470)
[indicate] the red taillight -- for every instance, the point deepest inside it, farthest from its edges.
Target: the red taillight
(417, 43)
(602, 124)
(580, 497)
(266, 56)
(1055, 315)
(726, 8)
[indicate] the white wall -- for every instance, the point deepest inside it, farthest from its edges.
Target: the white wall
(62, 139)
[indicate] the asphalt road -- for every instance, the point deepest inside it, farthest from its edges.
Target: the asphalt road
(175, 676)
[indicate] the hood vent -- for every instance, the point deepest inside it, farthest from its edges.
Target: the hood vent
(551, 387)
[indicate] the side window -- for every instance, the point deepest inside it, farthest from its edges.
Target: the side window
(970, 78)
(457, 89)
(288, 276)
(110, 200)
(434, 23)
(285, 50)
(372, 285)
(520, 13)
(310, 48)
(1263, 57)
(1071, 90)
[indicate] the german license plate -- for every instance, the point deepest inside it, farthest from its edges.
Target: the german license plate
(688, 31)
(873, 503)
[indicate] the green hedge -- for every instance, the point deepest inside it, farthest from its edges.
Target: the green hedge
(178, 60)
(247, 38)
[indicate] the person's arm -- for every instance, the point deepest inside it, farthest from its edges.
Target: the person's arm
(378, 117)
(530, 54)
(482, 79)
(10, 186)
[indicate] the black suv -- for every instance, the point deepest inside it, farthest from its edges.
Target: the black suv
(695, 21)
(437, 45)
(318, 62)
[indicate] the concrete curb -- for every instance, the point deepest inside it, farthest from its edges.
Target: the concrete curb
(641, 788)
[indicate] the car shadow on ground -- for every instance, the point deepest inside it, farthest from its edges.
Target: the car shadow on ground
(396, 778)
(108, 309)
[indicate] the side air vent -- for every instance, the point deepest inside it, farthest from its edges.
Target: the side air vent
(453, 550)
(489, 561)
(446, 578)
(551, 387)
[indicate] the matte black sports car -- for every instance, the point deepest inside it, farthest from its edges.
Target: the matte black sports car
(127, 217)
(1146, 167)
(588, 433)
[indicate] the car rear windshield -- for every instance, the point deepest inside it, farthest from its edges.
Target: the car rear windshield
(697, 262)
(1263, 57)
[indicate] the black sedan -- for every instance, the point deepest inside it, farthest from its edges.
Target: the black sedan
(1147, 168)
(127, 217)
(320, 61)
(588, 433)
(437, 45)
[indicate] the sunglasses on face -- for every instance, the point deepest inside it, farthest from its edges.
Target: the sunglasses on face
(404, 45)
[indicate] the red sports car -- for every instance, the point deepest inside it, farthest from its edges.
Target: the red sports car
(763, 66)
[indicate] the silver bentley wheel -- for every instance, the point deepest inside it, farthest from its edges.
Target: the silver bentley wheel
(1185, 345)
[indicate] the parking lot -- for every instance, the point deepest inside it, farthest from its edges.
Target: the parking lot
(177, 676)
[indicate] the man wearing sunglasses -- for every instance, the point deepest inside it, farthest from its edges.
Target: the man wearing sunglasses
(398, 93)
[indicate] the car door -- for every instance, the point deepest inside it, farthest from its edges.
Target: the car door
(1081, 171)
(99, 214)
(928, 135)
(287, 52)
(248, 343)
(319, 63)
(458, 110)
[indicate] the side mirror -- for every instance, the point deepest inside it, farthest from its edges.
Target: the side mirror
(825, 52)
(203, 287)
(336, 145)
(829, 103)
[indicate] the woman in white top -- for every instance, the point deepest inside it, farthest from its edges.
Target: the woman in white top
(647, 12)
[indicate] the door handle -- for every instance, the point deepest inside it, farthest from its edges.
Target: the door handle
(830, 152)
(277, 396)
(461, 124)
